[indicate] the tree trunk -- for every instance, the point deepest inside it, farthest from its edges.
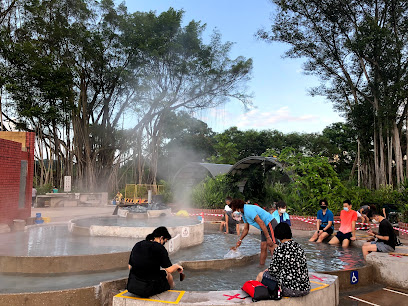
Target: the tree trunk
(389, 146)
(398, 154)
(376, 168)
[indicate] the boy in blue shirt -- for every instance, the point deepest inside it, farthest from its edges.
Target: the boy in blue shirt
(280, 214)
(262, 220)
(325, 221)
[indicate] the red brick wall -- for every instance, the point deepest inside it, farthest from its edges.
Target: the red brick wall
(11, 155)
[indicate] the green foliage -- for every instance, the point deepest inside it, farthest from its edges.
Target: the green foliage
(313, 179)
(167, 191)
(211, 192)
(46, 188)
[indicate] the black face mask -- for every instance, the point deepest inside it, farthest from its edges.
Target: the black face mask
(323, 207)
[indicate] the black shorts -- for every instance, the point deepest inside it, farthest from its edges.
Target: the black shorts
(329, 230)
(270, 228)
(341, 236)
(146, 288)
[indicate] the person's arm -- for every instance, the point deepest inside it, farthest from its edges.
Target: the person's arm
(174, 268)
(318, 224)
(329, 224)
(244, 233)
(353, 230)
(130, 267)
(385, 215)
(226, 223)
(262, 225)
(238, 229)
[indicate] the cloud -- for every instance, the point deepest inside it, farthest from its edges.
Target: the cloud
(261, 119)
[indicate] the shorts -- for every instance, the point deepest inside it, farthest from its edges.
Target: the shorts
(146, 288)
(382, 247)
(329, 230)
(341, 236)
(358, 214)
(270, 231)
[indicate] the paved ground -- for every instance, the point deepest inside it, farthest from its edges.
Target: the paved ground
(375, 295)
(64, 214)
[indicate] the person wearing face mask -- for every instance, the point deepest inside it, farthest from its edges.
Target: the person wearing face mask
(324, 223)
(347, 230)
(150, 266)
(385, 238)
(262, 220)
(280, 214)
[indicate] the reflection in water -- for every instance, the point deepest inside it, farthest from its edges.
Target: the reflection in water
(58, 241)
(146, 222)
(325, 257)
(215, 246)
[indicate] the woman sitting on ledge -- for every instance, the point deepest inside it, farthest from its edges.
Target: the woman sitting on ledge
(147, 257)
(288, 266)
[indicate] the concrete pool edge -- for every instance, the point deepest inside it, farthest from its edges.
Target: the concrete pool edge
(324, 292)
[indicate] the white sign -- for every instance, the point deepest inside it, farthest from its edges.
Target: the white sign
(67, 184)
(185, 232)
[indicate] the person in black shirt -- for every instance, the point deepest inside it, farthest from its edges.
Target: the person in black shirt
(385, 238)
(146, 278)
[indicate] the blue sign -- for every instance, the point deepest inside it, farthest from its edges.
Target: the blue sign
(354, 277)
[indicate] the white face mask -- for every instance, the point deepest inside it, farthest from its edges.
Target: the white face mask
(283, 210)
(346, 208)
(375, 221)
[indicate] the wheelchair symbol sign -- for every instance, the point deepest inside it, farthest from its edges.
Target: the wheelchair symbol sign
(354, 277)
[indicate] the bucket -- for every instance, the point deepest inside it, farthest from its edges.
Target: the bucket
(46, 219)
(38, 219)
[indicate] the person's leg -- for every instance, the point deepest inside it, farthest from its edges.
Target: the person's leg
(222, 225)
(264, 253)
(314, 237)
(345, 243)
(367, 248)
(322, 236)
(334, 240)
(260, 276)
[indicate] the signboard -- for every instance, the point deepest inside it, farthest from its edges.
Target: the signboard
(185, 232)
(67, 184)
(354, 277)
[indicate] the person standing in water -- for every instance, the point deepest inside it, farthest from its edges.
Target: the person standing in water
(324, 223)
(150, 266)
(262, 220)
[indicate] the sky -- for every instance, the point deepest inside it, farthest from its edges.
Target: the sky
(280, 88)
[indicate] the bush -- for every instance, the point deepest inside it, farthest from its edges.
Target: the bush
(41, 190)
(211, 192)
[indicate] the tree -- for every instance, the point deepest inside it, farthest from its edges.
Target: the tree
(73, 69)
(358, 49)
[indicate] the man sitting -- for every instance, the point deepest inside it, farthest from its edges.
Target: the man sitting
(324, 224)
(385, 238)
(347, 230)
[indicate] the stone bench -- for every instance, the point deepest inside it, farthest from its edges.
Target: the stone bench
(325, 291)
(391, 269)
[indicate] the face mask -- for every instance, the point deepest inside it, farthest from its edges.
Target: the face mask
(374, 221)
(323, 207)
(346, 208)
(236, 216)
(283, 210)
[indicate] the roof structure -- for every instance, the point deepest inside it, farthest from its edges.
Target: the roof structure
(193, 173)
(268, 162)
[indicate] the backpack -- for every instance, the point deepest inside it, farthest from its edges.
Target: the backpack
(256, 290)
(275, 292)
